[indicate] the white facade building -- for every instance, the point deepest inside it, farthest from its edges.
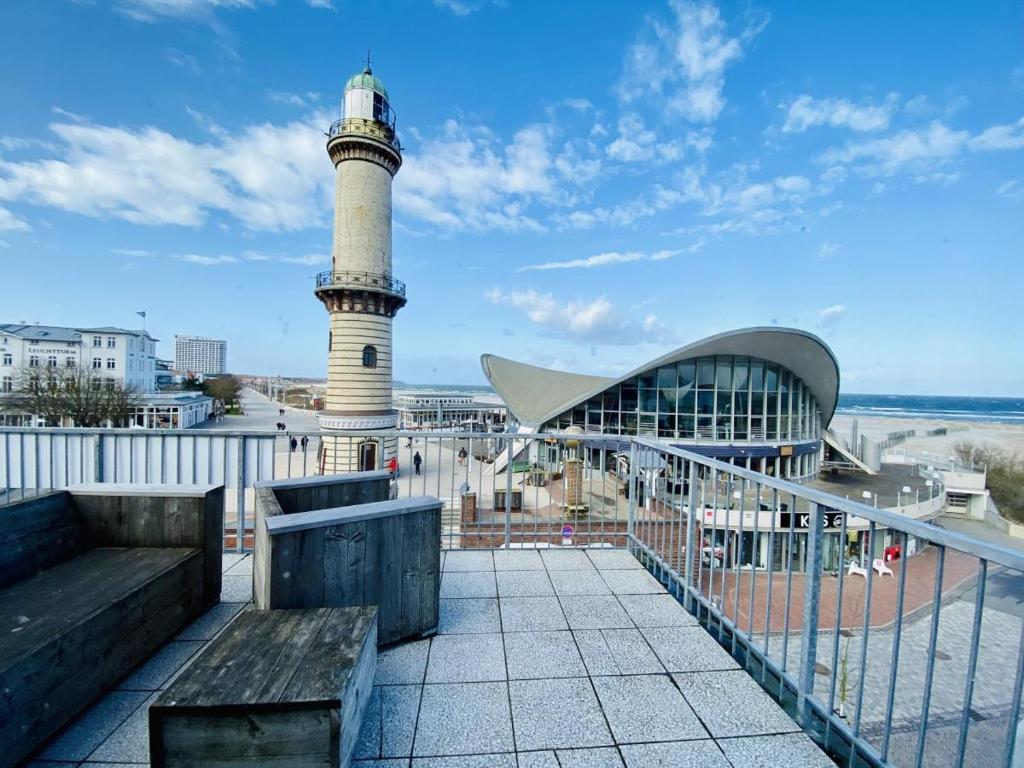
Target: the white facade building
(173, 410)
(117, 354)
(200, 355)
(417, 410)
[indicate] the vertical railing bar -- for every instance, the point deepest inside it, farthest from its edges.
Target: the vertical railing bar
(691, 529)
(922, 732)
(789, 586)
(714, 535)
(699, 544)
(754, 551)
(972, 662)
(865, 634)
(240, 494)
(809, 629)
(725, 550)
(739, 564)
(771, 574)
(894, 662)
(839, 626)
(1014, 714)
(508, 497)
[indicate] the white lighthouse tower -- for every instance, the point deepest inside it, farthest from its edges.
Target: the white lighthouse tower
(360, 292)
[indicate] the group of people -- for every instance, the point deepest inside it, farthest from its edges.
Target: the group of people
(293, 443)
(281, 426)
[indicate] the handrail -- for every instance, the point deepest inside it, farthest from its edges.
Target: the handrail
(364, 127)
(356, 279)
(993, 552)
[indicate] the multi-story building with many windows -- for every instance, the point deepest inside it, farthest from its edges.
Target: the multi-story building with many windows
(116, 354)
(759, 398)
(200, 355)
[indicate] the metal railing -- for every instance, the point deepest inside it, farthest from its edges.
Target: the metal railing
(364, 127)
(881, 665)
(353, 279)
(855, 655)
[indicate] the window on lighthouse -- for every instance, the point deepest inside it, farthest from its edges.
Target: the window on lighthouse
(369, 356)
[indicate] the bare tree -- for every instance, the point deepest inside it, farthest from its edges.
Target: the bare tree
(81, 394)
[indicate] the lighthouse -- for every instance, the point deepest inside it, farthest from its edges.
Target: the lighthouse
(360, 293)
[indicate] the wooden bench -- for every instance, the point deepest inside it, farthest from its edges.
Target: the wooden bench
(282, 688)
(348, 552)
(92, 581)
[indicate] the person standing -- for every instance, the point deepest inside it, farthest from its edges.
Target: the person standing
(293, 444)
(462, 455)
(417, 462)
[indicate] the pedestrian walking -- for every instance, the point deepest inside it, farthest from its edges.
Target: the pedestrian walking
(462, 455)
(393, 466)
(293, 443)
(417, 462)
(305, 442)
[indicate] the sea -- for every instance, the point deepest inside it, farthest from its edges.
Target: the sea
(1006, 410)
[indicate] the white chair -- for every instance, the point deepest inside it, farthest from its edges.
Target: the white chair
(856, 570)
(881, 568)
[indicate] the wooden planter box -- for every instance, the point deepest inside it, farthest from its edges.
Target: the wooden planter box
(382, 553)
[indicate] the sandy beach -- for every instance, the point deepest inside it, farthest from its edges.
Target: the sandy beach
(1007, 436)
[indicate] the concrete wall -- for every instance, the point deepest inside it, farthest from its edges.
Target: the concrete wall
(362, 217)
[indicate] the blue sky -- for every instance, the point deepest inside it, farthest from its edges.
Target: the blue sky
(585, 185)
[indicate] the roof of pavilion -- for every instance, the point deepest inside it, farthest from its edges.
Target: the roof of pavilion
(536, 395)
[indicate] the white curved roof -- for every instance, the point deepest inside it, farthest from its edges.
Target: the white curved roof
(536, 395)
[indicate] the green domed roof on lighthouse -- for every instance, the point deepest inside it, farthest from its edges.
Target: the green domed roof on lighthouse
(366, 79)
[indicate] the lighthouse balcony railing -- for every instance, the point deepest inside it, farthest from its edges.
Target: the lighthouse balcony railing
(370, 128)
(360, 280)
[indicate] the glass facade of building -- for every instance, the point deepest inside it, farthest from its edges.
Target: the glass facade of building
(720, 399)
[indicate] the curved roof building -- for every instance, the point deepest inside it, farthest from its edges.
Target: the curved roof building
(759, 397)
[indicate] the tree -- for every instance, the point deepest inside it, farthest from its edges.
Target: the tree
(223, 388)
(81, 394)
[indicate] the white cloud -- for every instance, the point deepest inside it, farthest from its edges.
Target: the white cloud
(595, 321)
(300, 100)
(207, 261)
(683, 62)
(183, 60)
(829, 317)
(327, 5)
(133, 252)
(805, 112)
(923, 151)
(827, 249)
(268, 177)
(460, 7)
(610, 257)
(636, 143)
(1012, 190)
(465, 179)
(999, 137)
(152, 10)
(11, 223)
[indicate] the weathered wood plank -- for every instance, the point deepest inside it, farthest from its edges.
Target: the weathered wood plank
(39, 533)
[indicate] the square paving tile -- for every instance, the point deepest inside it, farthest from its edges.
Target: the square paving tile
(733, 704)
(506, 760)
(599, 757)
(565, 559)
(236, 589)
(130, 742)
(790, 750)
(402, 664)
(242, 568)
(517, 560)
(551, 714)
(535, 655)
(656, 611)
(612, 559)
(524, 584)
(531, 614)
(578, 583)
(544, 759)
(368, 742)
(617, 652)
(90, 729)
(468, 584)
(466, 658)
(688, 649)
(464, 719)
(228, 559)
(468, 560)
(632, 582)
(642, 708)
(154, 673)
(676, 754)
(595, 612)
(389, 722)
(466, 615)
(392, 763)
(211, 622)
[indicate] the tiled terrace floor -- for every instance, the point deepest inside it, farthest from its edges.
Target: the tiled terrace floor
(544, 659)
